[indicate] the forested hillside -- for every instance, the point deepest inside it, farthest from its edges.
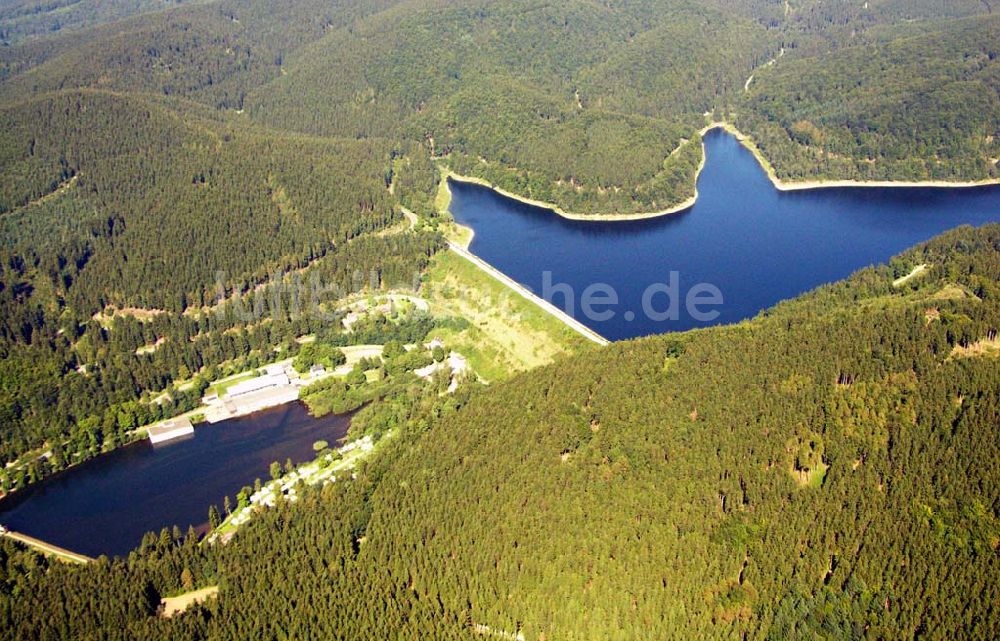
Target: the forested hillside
(824, 471)
(157, 208)
(573, 103)
(169, 186)
(24, 19)
(213, 52)
(827, 470)
(590, 106)
(861, 113)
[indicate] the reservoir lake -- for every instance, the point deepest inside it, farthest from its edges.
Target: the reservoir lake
(756, 244)
(105, 505)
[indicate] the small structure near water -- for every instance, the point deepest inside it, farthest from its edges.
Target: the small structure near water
(169, 430)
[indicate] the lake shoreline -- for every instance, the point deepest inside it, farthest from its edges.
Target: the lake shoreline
(751, 146)
(46, 548)
(106, 505)
(559, 211)
(835, 183)
(740, 238)
(519, 289)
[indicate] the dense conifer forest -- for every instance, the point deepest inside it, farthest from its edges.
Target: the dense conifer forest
(592, 106)
(113, 202)
(24, 19)
(826, 470)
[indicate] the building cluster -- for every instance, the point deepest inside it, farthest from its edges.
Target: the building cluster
(274, 387)
(455, 363)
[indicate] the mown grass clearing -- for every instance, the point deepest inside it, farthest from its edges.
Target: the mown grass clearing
(507, 333)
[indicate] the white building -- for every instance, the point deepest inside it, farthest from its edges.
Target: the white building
(261, 399)
(169, 430)
(270, 390)
(275, 377)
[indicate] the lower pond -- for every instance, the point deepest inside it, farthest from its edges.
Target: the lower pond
(104, 506)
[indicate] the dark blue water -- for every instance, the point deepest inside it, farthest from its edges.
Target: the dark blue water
(105, 505)
(757, 245)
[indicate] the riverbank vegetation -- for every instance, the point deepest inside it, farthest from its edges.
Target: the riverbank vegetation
(656, 488)
(383, 393)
